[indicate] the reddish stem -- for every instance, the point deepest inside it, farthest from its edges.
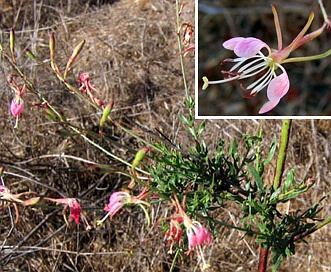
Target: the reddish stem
(263, 258)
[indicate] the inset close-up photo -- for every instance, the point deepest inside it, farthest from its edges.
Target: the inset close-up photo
(264, 58)
(105, 167)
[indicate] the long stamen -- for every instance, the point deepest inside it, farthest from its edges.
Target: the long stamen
(251, 71)
(265, 83)
(220, 81)
(241, 61)
(260, 82)
(249, 64)
(99, 222)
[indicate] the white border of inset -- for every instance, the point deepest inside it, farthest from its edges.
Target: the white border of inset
(232, 117)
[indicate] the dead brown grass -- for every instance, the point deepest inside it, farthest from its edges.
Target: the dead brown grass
(132, 56)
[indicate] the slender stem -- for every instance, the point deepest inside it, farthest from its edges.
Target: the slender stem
(180, 49)
(174, 261)
(325, 16)
(282, 153)
(32, 88)
(313, 229)
(316, 57)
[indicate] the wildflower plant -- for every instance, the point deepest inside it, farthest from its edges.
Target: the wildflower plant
(192, 181)
(267, 66)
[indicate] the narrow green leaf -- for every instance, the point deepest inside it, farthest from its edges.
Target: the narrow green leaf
(257, 178)
(289, 181)
(201, 127)
(271, 151)
(65, 133)
(31, 55)
(183, 119)
(233, 148)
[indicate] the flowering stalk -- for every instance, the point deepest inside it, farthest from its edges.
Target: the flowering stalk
(286, 127)
(251, 62)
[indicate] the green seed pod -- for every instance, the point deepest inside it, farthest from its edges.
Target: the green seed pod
(73, 57)
(106, 112)
(52, 46)
(139, 156)
(12, 44)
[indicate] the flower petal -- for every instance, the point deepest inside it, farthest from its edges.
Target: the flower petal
(278, 87)
(249, 47)
(268, 106)
(232, 43)
(75, 210)
(16, 106)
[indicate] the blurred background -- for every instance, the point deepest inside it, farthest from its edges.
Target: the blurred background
(310, 82)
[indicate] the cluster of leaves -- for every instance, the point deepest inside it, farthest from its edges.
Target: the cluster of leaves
(205, 179)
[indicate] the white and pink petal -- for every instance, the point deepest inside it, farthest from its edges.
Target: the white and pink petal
(232, 43)
(249, 47)
(268, 106)
(278, 87)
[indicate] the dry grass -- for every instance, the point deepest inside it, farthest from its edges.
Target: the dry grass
(132, 56)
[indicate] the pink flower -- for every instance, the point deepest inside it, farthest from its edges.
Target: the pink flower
(252, 61)
(197, 234)
(72, 203)
(118, 199)
(75, 209)
(13, 199)
(17, 106)
(86, 88)
(188, 29)
(116, 202)
(175, 232)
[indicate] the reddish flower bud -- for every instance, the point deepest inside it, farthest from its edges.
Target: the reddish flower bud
(16, 106)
